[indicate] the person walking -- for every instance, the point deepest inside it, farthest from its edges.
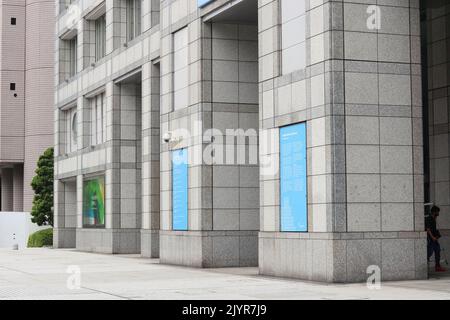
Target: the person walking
(433, 236)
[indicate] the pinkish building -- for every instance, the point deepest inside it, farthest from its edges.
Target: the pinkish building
(26, 105)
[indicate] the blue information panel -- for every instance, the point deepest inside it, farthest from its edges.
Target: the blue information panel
(180, 189)
(202, 3)
(293, 183)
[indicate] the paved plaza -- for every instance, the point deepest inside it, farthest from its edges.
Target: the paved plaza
(49, 274)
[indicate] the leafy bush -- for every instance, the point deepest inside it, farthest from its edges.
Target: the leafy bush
(42, 184)
(41, 238)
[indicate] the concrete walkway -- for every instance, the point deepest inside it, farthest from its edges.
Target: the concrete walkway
(42, 274)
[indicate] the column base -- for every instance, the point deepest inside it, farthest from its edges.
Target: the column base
(64, 237)
(343, 257)
(150, 243)
(209, 249)
(115, 241)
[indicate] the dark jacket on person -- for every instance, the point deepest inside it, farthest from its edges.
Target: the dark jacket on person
(430, 223)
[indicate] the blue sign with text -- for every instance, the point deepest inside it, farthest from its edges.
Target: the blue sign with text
(202, 3)
(293, 180)
(180, 189)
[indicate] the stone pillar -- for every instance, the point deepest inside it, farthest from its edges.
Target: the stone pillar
(86, 44)
(221, 93)
(384, 153)
(130, 148)
(150, 14)
(438, 97)
(7, 189)
(116, 30)
(150, 160)
(300, 90)
(359, 94)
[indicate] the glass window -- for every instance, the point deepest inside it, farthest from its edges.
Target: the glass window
(180, 189)
(71, 130)
(133, 19)
(293, 35)
(94, 202)
(293, 178)
(100, 37)
(73, 56)
(180, 65)
(74, 128)
(98, 119)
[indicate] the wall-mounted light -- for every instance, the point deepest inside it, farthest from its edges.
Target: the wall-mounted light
(167, 136)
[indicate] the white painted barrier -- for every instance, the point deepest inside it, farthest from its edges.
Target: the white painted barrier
(15, 227)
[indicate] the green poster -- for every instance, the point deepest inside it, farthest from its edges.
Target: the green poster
(94, 202)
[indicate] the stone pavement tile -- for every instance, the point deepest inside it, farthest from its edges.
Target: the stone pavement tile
(42, 274)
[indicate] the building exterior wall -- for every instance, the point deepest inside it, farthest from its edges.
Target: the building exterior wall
(356, 88)
(26, 57)
(39, 89)
(365, 175)
(306, 95)
(438, 79)
(118, 158)
(12, 71)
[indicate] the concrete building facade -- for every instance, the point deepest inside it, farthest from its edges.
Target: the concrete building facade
(26, 72)
(171, 122)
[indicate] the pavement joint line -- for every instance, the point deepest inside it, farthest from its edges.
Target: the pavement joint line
(107, 293)
(17, 270)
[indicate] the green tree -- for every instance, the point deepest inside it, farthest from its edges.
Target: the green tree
(42, 184)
